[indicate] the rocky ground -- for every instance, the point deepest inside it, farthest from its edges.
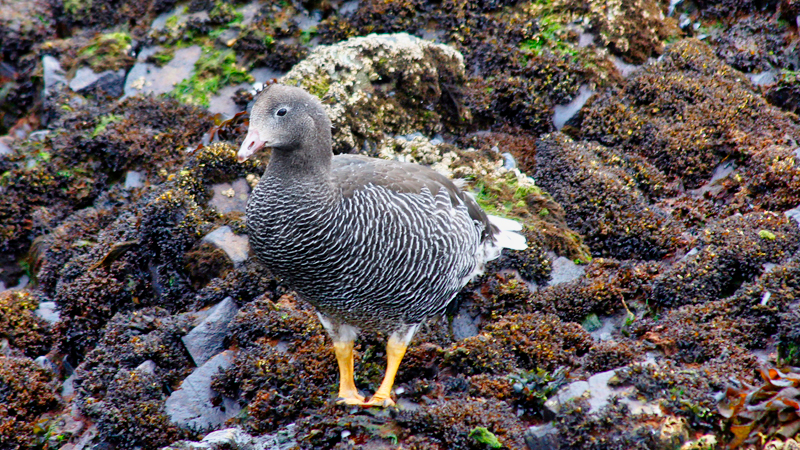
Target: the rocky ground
(651, 149)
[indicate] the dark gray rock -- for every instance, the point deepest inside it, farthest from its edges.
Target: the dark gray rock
(110, 82)
(542, 437)
(207, 339)
(464, 326)
(191, 405)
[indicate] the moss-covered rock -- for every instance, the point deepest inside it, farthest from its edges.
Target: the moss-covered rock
(383, 85)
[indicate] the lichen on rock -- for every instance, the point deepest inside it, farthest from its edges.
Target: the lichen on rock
(381, 85)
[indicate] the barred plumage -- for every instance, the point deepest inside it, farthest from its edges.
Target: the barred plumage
(372, 244)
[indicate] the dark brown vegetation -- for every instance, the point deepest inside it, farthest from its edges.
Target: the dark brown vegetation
(669, 187)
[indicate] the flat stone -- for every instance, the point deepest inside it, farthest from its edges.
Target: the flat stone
(147, 367)
(47, 311)
(236, 438)
(134, 179)
(464, 326)
(5, 146)
(207, 339)
(146, 78)
(562, 113)
(236, 247)
(542, 437)
(110, 82)
(263, 74)
(571, 391)
(794, 214)
(222, 102)
(230, 197)
(599, 393)
(191, 407)
(68, 388)
(564, 271)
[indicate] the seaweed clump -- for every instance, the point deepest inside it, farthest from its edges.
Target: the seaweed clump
(602, 202)
(284, 355)
(524, 341)
(453, 424)
(729, 253)
(689, 113)
(45, 181)
(26, 392)
(25, 331)
(125, 380)
(608, 287)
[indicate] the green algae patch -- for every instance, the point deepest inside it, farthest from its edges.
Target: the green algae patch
(104, 121)
(107, 52)
(484, 436)
(77, 9)
(162, 57)
(213, 71)
(766, 234)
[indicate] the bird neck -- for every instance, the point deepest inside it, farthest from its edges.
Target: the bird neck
(308, 163)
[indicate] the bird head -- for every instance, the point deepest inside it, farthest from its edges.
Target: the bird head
(285, 118)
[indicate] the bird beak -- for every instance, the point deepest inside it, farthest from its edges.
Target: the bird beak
(252, 143)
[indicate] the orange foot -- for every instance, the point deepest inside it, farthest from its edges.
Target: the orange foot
(379, 400)
(351, 398)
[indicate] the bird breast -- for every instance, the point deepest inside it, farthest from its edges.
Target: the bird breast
(408, 253)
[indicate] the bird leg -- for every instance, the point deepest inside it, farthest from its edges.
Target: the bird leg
(348, 394)
(395, 349)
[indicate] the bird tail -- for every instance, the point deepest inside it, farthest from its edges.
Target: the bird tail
(508, 236)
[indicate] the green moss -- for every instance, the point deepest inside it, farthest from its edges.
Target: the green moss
(766, 234)
(548, 37)
(214, 70)
(112, 44)
(104, 122)
(162, 58)
(307, 35)
(484, 436)
(77, 8)
(171, 23)
(106, 51)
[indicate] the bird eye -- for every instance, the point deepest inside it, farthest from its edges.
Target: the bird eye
(281, 112)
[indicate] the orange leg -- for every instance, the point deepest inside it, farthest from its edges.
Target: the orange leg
(395, 349)
(348, 394)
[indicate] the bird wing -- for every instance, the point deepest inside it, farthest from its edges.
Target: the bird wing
(355, 172)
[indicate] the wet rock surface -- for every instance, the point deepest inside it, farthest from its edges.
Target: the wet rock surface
(656, 306)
